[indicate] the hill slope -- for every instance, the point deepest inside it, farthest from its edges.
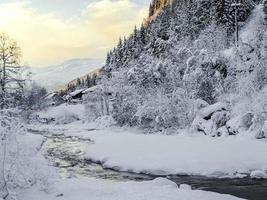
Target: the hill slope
(184, 70)
(54, 77)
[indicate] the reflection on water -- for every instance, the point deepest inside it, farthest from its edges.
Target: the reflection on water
(68, 155)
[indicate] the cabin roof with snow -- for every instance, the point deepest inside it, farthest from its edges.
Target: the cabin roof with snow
(91, 89)
(76, 92)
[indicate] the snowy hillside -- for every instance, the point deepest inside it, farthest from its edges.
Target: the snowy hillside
(53, 77)
(188, 70)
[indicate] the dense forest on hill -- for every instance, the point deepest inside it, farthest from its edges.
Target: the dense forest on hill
(190, 54)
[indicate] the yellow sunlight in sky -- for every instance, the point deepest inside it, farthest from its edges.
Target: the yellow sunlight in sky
(47, 38)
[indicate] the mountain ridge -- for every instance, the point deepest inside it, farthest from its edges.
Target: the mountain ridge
(56, 76)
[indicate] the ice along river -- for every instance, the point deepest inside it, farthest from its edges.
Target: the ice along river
(67, 154)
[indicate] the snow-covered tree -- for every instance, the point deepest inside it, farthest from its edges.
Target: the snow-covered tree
(10, 69)
(188, 47)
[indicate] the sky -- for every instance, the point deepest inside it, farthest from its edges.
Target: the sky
(52, 31)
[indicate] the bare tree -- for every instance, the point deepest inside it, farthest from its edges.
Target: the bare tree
(10, 56)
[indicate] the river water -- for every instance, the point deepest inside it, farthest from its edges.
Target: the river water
(67, 154)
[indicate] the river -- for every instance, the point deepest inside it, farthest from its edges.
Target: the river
(67, 154)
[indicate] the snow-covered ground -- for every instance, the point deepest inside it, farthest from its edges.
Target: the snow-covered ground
(178, 154)
(84, 189)
(127, 149)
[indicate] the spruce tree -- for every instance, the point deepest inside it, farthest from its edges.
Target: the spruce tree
(143, 35)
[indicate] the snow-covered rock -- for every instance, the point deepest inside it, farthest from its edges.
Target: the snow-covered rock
(262, 133)
(258, 174)
(208, 111)
(219, 119)
(240, 123)
(210, 119)
(200, 104)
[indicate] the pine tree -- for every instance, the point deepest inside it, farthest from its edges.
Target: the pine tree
(135, 34)
(163, 31)
(108, 58)
(151, 10)
(143, 35)
(93, 80)
(265, 7)
(225, 12)
(78, 82)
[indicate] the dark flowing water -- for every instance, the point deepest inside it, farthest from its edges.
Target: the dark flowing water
(68, 155)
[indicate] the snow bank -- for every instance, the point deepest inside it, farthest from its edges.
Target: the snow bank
(62, 114)
(179, 154)
(258, 174)
(158, 189)
(209, 110)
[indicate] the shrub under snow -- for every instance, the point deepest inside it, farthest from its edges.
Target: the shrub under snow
(62, 114)
(21, 165)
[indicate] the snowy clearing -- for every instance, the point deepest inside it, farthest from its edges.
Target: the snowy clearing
(158, 189)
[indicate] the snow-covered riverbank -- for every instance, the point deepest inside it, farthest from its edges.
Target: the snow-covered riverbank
(179, 154)
(129, 150)
(84, 189)
(96, 189)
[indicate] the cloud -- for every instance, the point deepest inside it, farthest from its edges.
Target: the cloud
(47, 38)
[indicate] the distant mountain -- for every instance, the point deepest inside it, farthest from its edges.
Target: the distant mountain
(54, 77)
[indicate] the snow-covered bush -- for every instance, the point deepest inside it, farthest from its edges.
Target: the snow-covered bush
(124, 109)
(93, 106)
(259, 108)
(249, 112)
(62, 114)
(166, 111)
(97, 103)
(21, 166)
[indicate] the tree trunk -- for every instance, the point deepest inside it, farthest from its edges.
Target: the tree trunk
(4, 193)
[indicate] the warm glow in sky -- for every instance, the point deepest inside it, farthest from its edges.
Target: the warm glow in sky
(51, 31)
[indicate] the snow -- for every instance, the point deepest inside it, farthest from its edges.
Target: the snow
(91, 89)
(200, 104)
(74, 93)
(185, 187)
(84, 189)
(63, 113)
(258, 174)
(209, 110)
(249, 32)
(50, 95)
(96, 189)
(177, 154)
